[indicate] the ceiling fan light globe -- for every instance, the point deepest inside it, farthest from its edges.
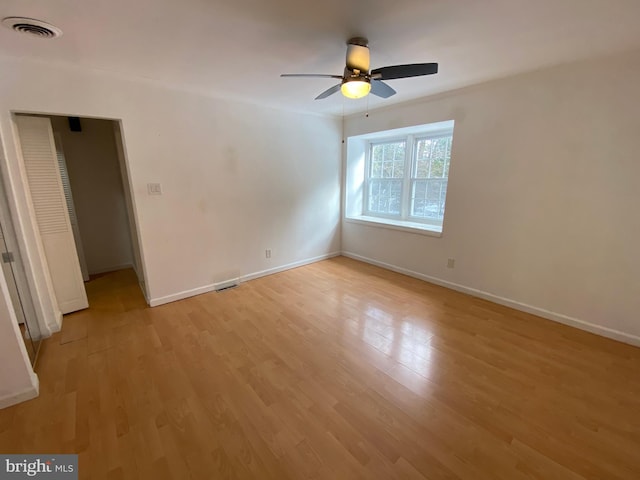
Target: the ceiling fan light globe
(355, 88)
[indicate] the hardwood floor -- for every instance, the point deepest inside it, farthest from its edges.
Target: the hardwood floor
(335, 370)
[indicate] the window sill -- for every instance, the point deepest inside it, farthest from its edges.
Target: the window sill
(402, 225)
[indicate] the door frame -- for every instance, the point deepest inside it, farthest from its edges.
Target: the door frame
(14, 178)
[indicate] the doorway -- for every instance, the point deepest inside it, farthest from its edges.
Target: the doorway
(80, 191)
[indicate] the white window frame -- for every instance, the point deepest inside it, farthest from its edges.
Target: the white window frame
(367, 176)
(404, 220)
(412, 177)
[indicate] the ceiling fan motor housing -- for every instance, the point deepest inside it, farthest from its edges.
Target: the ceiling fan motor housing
(358, 55)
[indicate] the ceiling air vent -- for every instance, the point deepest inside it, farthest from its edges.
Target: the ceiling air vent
(32, 26)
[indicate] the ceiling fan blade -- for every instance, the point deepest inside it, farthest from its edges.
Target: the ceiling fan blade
(317, 75)
(404, 71)
(329, 91)
(381, 89)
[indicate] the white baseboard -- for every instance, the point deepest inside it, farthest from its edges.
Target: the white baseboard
(523, 307)
(154, 302)
(22, 396)
(289, 266)
(55, 327)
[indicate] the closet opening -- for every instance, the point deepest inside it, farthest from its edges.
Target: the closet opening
(81, 194)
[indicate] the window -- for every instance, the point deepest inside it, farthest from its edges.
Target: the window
(429, 176)
(386, 177)
(404, 177)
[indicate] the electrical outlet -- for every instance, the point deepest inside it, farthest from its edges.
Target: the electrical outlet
(451, 262)
(154, 189)
(267, 253)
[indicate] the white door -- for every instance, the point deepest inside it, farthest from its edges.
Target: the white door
(52, 217)
(71, 208)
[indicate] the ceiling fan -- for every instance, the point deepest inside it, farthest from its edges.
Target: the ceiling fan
(357, 81)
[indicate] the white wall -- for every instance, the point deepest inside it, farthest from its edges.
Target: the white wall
(542, 205)
(17, 380)
(236, 178)
(96, 185)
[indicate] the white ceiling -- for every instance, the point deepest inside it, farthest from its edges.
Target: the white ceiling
(238, 48)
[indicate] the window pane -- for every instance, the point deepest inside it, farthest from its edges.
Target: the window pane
(427, 198)
(387, 160)
(385, 196)
(432, 206)
(423, 158)
(376, 168)
(432, 157)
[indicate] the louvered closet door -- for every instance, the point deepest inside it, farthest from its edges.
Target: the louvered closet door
(71, 208)
(49, 203)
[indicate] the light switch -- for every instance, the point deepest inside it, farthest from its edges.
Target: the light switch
(154, 189)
